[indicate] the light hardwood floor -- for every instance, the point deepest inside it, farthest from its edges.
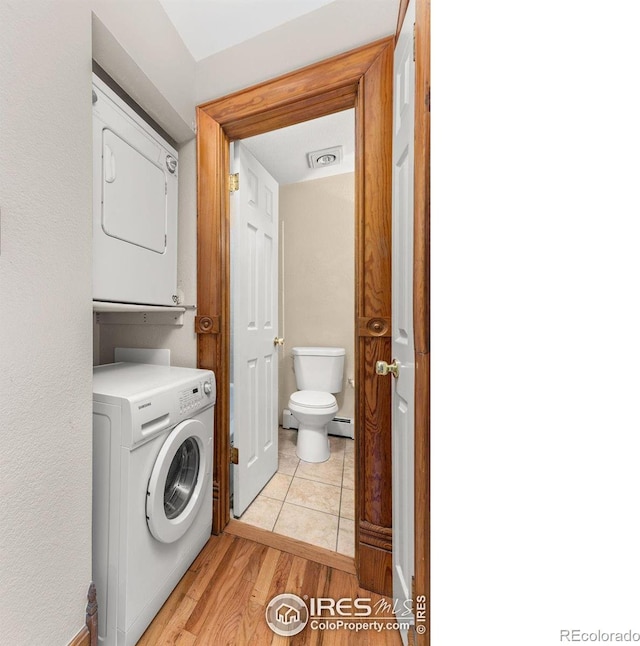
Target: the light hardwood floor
(221, 600)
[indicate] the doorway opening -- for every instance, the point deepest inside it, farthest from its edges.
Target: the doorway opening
(313, 293)
(360, 79)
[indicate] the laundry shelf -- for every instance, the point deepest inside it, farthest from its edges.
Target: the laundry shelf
(130, 314)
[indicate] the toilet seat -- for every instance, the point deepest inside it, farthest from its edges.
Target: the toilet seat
(313, 409)
(313, 399)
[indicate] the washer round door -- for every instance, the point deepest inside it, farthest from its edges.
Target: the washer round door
(176, 486)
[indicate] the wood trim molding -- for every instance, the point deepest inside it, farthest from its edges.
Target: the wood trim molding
(88, 635)
(310, 108)
(207, 325)
(374, 132)
(422, 145)
(375, 566)
(216, 501)
(375, 535)
(374, 326)
(83, 638)
(213, 293)
(361, 79)
(291, 545)
(91, 617)
(374, 458)
(294, 97)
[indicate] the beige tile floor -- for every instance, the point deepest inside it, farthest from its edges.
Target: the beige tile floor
(311, 502)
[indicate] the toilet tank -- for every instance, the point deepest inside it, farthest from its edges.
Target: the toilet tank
(319, 368)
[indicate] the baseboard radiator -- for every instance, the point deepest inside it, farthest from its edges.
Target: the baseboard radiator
(342, 426)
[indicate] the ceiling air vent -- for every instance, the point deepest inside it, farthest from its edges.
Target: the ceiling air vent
(325, 157)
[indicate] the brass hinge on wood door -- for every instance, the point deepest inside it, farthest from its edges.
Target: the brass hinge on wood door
(234, 182)
(233, 455)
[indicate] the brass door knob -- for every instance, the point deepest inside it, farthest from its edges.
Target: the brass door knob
(383, 368)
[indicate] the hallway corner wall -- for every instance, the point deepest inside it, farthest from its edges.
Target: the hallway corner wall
(45, 326)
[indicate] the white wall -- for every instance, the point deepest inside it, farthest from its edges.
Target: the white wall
(45, 282)
(45, 324)
(137, 45)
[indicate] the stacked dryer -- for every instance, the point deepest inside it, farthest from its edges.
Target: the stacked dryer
(135, 206)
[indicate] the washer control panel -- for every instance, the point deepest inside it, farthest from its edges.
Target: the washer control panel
(195, 397)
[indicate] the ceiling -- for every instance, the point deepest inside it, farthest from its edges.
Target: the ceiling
(209, 27)
(284, 152)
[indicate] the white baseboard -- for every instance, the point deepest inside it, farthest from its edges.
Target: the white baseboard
(342, 426)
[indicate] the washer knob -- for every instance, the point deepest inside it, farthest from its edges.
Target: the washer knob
(207, 387)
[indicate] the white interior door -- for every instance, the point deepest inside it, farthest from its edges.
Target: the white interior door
(402, 321)
(254, 305)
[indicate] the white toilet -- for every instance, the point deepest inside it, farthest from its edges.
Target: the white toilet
(318, 374)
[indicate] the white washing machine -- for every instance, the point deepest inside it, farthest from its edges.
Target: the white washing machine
(152, 487)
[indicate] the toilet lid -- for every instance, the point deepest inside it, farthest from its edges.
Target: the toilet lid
(313, 399)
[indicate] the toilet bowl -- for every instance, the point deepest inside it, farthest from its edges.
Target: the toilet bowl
(319, 372)
(314, 410)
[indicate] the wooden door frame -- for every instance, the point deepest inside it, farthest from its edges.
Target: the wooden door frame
(360, 79)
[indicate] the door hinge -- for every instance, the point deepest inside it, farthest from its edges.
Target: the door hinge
(233, 455)
(414, 42)
(234, 182)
